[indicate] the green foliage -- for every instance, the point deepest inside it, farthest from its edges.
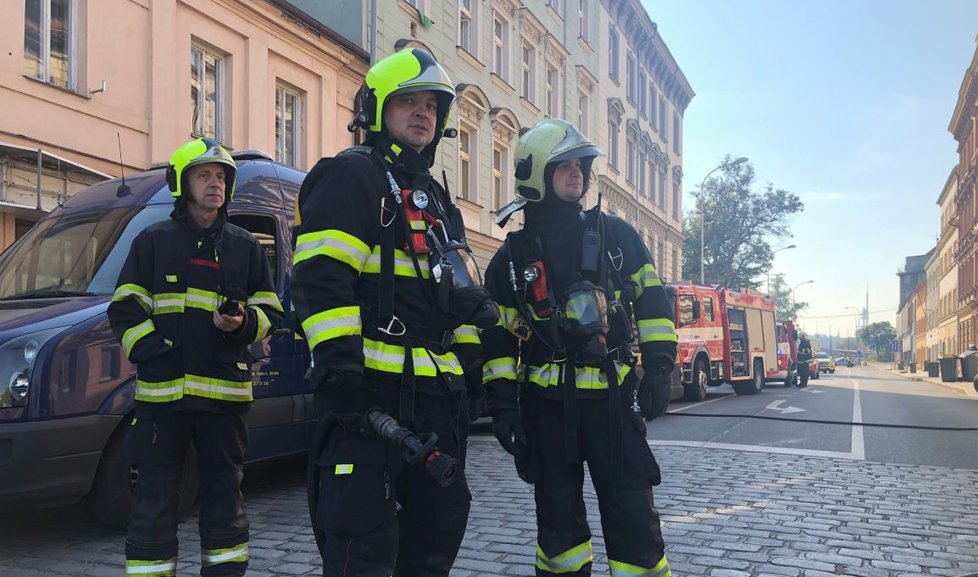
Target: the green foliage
(738, 222)
(785, 306)
(877, 336)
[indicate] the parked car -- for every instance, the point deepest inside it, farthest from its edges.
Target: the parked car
(825, 363)
(67, 387)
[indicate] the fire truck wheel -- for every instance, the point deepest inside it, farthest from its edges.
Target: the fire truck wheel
(696, 390)
(111, 495)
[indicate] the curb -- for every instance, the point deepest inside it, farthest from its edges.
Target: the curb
(963, 387)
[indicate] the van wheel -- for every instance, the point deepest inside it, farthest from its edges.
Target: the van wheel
(115, 481)
(696, 390)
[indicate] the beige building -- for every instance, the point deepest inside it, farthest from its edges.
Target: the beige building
(947, 271)
(86, 78)
(597, 64)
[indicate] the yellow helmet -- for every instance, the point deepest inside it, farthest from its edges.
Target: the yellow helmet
(549, 142)
(407, 70)
(196, 152)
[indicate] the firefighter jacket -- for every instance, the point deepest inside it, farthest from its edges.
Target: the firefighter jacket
(805, 350)
(175, 277)
(554, 237)
(345, 210)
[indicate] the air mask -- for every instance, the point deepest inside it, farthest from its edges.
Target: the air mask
(460, 291)
(586, 322)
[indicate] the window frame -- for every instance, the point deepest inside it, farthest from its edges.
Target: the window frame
(474, 28)
(44, 38)
(501, 46)
(298, 124)
(469, 161)
(528, 70)
(198, 129)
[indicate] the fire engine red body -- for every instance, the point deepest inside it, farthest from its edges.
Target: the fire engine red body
(725, 336)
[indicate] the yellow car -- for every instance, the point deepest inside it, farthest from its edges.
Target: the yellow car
(825, 363)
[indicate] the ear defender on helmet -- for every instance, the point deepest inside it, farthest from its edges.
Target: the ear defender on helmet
(196, 152)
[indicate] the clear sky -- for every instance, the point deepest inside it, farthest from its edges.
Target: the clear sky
(845, 103)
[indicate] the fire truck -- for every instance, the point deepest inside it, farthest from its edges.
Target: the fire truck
(725, 336)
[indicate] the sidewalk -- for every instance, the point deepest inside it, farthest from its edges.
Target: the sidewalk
(966, 388)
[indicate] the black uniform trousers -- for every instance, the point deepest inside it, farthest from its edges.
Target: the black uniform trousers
(629, 520)
(383, 517)
(157, 445)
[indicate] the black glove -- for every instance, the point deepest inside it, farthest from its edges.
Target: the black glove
(347, 396)
(508, 429)
(655, 389)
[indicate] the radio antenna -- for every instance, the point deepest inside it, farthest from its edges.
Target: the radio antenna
(123, 189)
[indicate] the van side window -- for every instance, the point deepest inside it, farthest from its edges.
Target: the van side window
(708, 308)
(263, 229)
(685, 309)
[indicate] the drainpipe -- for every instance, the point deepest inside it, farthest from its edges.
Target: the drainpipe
(40, 152)
(373, 31)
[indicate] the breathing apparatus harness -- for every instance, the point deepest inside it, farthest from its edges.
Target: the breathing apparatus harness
(583, 318)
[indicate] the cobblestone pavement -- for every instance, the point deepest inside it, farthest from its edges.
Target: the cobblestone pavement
(726, 514)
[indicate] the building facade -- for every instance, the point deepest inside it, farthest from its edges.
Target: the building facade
(253, 74)
(947, 271)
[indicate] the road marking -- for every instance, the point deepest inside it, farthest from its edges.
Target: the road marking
(812, 391)
(755, 449)
(699, 404)
(858, 442)
(776, 406)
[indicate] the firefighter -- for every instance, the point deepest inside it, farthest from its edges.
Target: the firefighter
(388, 294)
(194, 292)
(805, 355)
(571, 285)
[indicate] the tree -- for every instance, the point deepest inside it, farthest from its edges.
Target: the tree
(877, 336)
(785, 306)
(738, 222)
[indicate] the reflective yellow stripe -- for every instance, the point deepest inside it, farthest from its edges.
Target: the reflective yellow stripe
(567, 562)
(501, 368)
(507, 316)
(338, 322)
(334, 244)
(155, 568)
(619, 569)
(645, 277)
(467, 334)
(264, 325)
(381, 356)
(168, 303)
(201, 299)
(656, 330)
(133, 334)
(236, 554)
(549, 375)
(403, 265)
(209, 387)
(142, 296)
(418, 225)
(267, 298)
(343, 469)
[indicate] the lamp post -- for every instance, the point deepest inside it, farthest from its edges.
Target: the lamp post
(775, 251)
(727, 164)
(795, 287)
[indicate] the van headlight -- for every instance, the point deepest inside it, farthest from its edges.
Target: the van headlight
(17, 357)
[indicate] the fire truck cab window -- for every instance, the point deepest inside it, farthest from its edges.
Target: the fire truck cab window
(708, 309)
(685, 309)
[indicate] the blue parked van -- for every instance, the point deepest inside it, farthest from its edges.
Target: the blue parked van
(66, 387)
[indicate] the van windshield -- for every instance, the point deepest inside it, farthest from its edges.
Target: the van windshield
(74, 253)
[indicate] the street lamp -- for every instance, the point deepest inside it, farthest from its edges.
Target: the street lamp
(726, 164)
(796, 286)
(775, 251)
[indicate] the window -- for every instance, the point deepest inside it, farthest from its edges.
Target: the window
(676, 186)
(553, 91)
(49, 41)
(583, 111)
(613, 144)
(685, 309)
(662, 186)
(643, 103)
(206, 93)
(263, 229)
(468, 26)
(613, 52)
(467, 139)
(288, 125)
(707, 301)
(662, 116)
(554, 5)
(662, 251)
(653, 106)
(630, 77)
(500, 180)
(529, 71)
(678, 273)
(630, 158)
(676, 131)
(641, 173)
(584, 18)
(653, 177)
(500, 46)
